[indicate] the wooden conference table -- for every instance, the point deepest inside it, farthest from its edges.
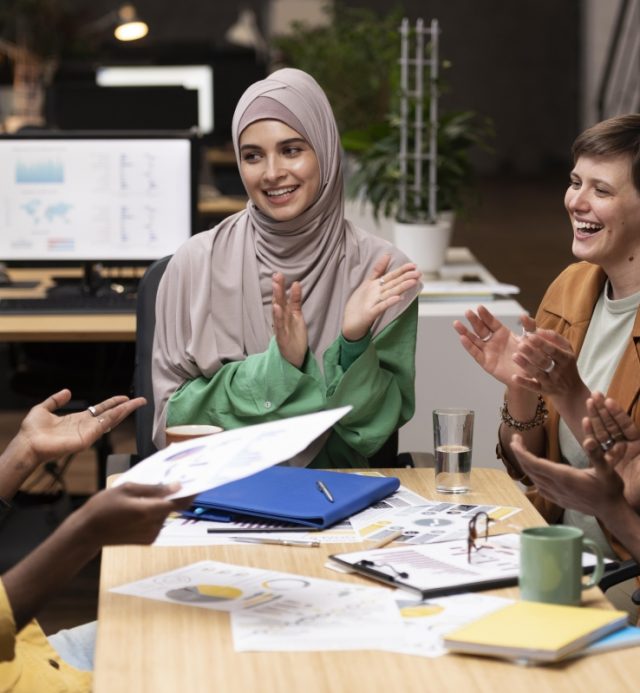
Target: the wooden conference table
(145, 645)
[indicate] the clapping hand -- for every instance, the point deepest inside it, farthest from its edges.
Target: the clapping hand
(614, 434)
(378, 292)
(491, 343)
(289, 326)
(548, 366)
(588, 490)
(612, 444)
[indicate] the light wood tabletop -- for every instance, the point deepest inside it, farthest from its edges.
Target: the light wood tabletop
(145, 645)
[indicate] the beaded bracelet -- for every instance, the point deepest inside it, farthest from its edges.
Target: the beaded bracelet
(539, 418)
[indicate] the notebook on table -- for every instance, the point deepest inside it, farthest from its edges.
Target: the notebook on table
(533, 632)
(304, 497)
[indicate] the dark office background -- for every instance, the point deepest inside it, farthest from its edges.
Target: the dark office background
(516, 62)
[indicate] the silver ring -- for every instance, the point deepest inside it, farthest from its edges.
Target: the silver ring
(487, 338)
(92, 410)
(381, 281)
(608, 444)
(550, 367)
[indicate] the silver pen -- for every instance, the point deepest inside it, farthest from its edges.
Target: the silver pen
(322, 487)
(280, 542)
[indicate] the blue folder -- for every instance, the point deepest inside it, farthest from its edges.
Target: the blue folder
(292, 495)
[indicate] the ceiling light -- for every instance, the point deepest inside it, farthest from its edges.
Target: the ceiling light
(130, 27)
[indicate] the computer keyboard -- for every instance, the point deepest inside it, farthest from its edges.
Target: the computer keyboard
(71, 303)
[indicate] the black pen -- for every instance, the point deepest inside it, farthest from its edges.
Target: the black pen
(325, 491)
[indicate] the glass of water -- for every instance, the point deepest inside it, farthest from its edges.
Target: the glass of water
(452, 443)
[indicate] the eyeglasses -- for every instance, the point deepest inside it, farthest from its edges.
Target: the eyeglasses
(478, 533)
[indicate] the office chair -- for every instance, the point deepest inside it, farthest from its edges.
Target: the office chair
(142, 383)
(625, 570)
(387, 456)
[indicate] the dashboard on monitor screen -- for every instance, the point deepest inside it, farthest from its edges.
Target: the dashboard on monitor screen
(95, 197)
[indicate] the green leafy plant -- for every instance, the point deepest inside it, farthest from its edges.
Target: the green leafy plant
(377, 175)
(353, 58)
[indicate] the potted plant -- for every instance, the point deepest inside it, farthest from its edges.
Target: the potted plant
(377, 177)
(354, 57)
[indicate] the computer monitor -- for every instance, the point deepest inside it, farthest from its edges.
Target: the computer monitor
(114, 198)
(197, 77)
(90, 107)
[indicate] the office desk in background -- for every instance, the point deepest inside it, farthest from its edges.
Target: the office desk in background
(145, 645)
(63, 328)
(446, 376)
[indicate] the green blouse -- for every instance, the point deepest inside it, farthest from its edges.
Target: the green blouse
(375, 376)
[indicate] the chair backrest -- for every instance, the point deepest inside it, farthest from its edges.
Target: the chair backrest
(145, 327)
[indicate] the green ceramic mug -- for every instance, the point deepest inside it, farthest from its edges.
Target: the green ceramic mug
(551, 564)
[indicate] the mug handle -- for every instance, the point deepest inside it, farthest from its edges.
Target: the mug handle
(596, 576)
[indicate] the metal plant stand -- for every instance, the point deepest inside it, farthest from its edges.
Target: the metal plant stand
(414, 151)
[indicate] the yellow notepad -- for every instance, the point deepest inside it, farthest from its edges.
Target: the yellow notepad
(534, 631)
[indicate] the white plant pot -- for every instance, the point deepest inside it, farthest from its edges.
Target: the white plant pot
(424, 244)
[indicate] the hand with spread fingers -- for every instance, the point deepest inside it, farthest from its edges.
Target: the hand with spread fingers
(491, 343)
(46, 436)
(289, 326)
(381, 290)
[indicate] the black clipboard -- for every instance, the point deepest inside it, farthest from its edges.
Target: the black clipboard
(385, 565)
(385, 575)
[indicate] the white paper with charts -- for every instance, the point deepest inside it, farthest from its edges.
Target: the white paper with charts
(426, 522)
(443, 568)
(285, 611)
(203, 463)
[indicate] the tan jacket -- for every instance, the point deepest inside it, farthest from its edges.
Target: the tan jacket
(567, 308)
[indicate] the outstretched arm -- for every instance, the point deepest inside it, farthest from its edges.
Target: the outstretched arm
(126, 514)
(45, 436)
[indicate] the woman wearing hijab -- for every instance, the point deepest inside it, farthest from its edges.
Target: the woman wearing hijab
(286, 308)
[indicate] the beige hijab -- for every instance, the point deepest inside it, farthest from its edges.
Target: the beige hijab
(214, 301)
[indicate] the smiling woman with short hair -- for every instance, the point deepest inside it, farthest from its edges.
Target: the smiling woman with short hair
(586, 334)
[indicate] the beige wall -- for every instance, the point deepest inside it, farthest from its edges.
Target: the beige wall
(598, 19)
